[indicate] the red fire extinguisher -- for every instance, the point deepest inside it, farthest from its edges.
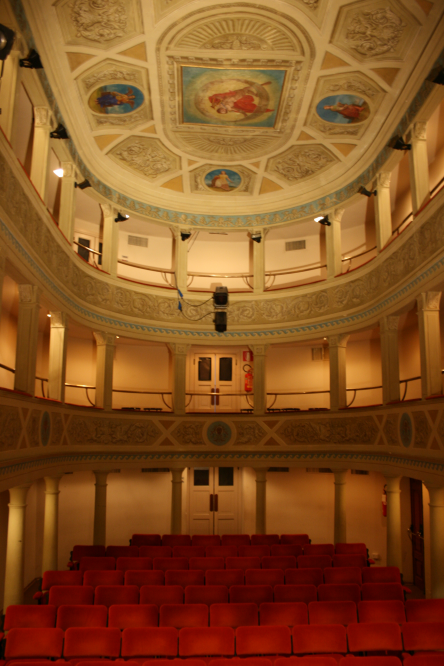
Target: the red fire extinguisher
(384, 501)
(248, 378)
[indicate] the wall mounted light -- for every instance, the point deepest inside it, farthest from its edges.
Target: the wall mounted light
(120, 217)
(367, 193)
(323, 219)
(32, 61)
(256, 236)
(59, 132)
(398, 143)
(185, 235)
(83, 185)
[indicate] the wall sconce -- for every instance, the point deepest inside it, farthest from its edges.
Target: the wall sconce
(83, 185)
(398, 143)
(32, 61)
(59, 132)
(367, 193)
(323, 219)
(185, 235)
(256, 236)
(58, 173)
(120, 217)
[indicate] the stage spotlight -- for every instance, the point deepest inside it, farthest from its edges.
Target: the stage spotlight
(256, 236)
(121, 218)
(323, 219)
(32, 61)
(59, 132)
(436, 76)
(398, 143)
(220, 321)
(220, 297)
(367, 193)
(185, 235)
(83, 185)
(6, 41)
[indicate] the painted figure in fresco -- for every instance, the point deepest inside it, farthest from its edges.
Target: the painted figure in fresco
(350, 111)
(240, 101)
(222, 181)
(112, 98)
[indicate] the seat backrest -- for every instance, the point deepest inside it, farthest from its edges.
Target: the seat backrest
(122, 551)
(355, 560)
(139, 578)
(107, 595)
(94, 578)
(221, 551)
(155, 551)
(166, 563)
(351, 549)
(263, 640)
(206, 594)
(71, 595)
(291, 593)
(87, 551)
(235, 539)
(423, 660)
(203, 641)
(381, 611)
(29, 616)
(81, 616)
(283, 614)
(381, 575)
(253, 551)
(146, 540)
(125, 563)
(339, 592)
(133, 615)
(176, 540)
(351, 660)
(97, 563)
(264, 577)
(92, 642)
(283, 549)
(161, 594)
(341, 575)
(264, 539)
(283, 562)
(189, 551)
(374, 637)
(34, 643)
(299, 539)
(51, 578)
(319, 549)
(243, 563)
(149, 642)
(205, 540)
(234, 615)
(206, 563)
(256, 594)
(332, 612)
(423, 636)
(375, 591)
(305, 576)
(185, 577)
(237, 661)
(226, 577)
(314, 561)
(424, 610)
(183, 615)
(319, 638)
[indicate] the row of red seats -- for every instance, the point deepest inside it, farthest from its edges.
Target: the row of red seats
(108, 595)
(141, 642)
(216, 540)
(232, 615)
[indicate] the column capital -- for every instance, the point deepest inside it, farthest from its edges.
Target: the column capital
(28, 294)
(388, 323)
(393, 483)
(261, 474)
(338, 340)
(42, 117)
(383, 179)
(59, 319)
(176, 474)
(340, 475)
(107, 209)
(69, 170)
(104, 339)
(336, 215)
(18, 495)
(258, 350)
(101, 477)
(52, 484)
(436, 492)
(428, 300)
(418, 132)
(178, 348)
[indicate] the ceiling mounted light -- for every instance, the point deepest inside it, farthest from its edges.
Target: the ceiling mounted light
(58, 173)
(59, 132)
(437, 76)
(32, 61)
(398, 143)
(121, 218)
(83, 185)
(323, 219)
(256, 236)
(367, 193)
(6, 41)
(185, 235)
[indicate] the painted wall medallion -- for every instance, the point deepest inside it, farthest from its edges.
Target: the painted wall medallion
(222, 180)
(116, 98)
(343, 109)
(406, 429)
(45, 428)
(231, 96)
(219, 433)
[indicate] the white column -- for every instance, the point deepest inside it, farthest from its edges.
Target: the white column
(57, 356)
(333, 243)
(261, 500)
(259, 378)
(383, 210)
(180, 260)
(430, 343)
(99, 538)
(27, 338)
(176, 500)
(104, 369)
(419, 165)
(110, 243)
(436, 505)
(14, 582)
(51, 524)
(340, 527)
(67, 201)
(337, 348)
(390, 359)
(178, 359)
(259, 263)
(40, 149)
(9, 93)
(394, 541)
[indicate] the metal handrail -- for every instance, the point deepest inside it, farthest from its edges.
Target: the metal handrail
(355, 256)
(87, 248)
(396, 231)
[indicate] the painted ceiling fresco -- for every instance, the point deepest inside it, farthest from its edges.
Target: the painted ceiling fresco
(232, 103)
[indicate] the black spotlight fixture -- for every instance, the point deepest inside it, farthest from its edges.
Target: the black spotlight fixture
(32, 60)
(83, 185)
(256, 236)
(323, 219)
(220, 321)
(398, 143)
(367, 193)
(220, 297)
(185, 235)
(6, 41)
(437, 76)
(59, 132)
(121, 218)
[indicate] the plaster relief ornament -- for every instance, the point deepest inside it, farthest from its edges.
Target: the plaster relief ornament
(375, 32)
(302, 163)
(99, 20)
(146, 156)
(343, 109)
(115, 99)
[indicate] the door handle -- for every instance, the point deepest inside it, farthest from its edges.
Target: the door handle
(216, 503)
(211, 502)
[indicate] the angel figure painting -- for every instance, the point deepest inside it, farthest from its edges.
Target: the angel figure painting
(343, 109)
(231, 96)
(115, 98)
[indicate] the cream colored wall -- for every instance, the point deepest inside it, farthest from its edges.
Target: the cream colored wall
(80, 368)
(218, 256)
(400, 192)
(158, 254)
(76, 513)
(409, 355)
(435, 145)
(8, 332)
(364, 369)
(358, 232)
(140, 366)
(277, 258)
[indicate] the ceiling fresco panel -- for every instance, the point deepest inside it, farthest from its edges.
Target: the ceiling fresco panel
(146, 157)
(301, 162)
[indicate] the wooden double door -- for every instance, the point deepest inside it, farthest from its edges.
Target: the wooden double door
(214, 500)
(216, 373)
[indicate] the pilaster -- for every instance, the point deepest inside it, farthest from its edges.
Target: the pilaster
(178, 357)
(419, 165)
(338, 387)
(180, 260)
(51, 524)
(259, 378)
(340, 527)
(333, 243)
(259, 264)
(261, 500)
(27, 338)
(394, 541)
(104, 369)
(436, 505)
(389, 358)
(9, 93)
(99, 538)
(14, 573)
(40, 149)
(57, 356)
(67, 201)
(430, 343)
(110, 244)
(383, 211)
(176, 500)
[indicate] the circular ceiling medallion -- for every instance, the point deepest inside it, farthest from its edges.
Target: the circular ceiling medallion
(222, 180)
(343, 109)
(219, 433)
(115, 98)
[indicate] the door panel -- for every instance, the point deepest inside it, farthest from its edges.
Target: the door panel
(201, 487)
(215, 373)
(214, 500)
(226, 489)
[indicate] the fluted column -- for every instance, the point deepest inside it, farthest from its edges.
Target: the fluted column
(261, 500)
(106, 343)
(110, 244)
(419, 165)
(383, 210)
(51, 524)
(14, 582)
(180, 260)
(176, 500)
(394, 541)
(338, 393)
(340, 527)
(259, 378)
(99, 538)
(67, 201)
(40, 149)
(9, 93)
(333, 243)
(27, 338)
(259, 264)
(178, 364)
(57, 356)
(436, 505)
(430, 343)
(390, 359)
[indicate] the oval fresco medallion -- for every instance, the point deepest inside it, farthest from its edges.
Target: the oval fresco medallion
(343, 109)
(222, 180)
(219, 433)
(116, 98)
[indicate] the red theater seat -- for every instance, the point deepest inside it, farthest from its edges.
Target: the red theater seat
(149, 642)
(237, 661)
(316, 549)
(381, 591)
(183, 615)
(146, 540)
(314, 561)
(205, 563)
(253, 551)
(351, 549)
(424, 660)
(173, 662)
(81, 642)
(344, 592)
(107, 595)
(423, 636)
(350, 660)
(176, 540)
(264, 539)
(235, 540)
(95, 578)
(167, 563)
(184, 578)
(71, 595)
(226, 577)
(381, 611)
(283, 562)
(319, 638)
(283, 614)
(263, 640)
(206, 594)
(122, 551)
(349, 560)
(140, 578)
(29, 616)
(155, 551)
(123, 616)
(306, 576)
(243, 563)
(51, 578)
(280, 550)
(205, 540)
(374, 637)
(332, 612)
(424, 610)
(309, 660)
(161, 594)
(126, 563)
(381, 575)
(291, 593)
(298, 539)
(256, 594)
(86, 551)
(34, 643)
(97, 564)
(341, 575)
(234, 615)
(206, 641)
(221, 551)
(81, 616)
(264, 577)
(189, 551)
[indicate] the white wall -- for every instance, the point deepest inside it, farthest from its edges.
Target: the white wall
(140, 366)
(80, 368)
(76, 513)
